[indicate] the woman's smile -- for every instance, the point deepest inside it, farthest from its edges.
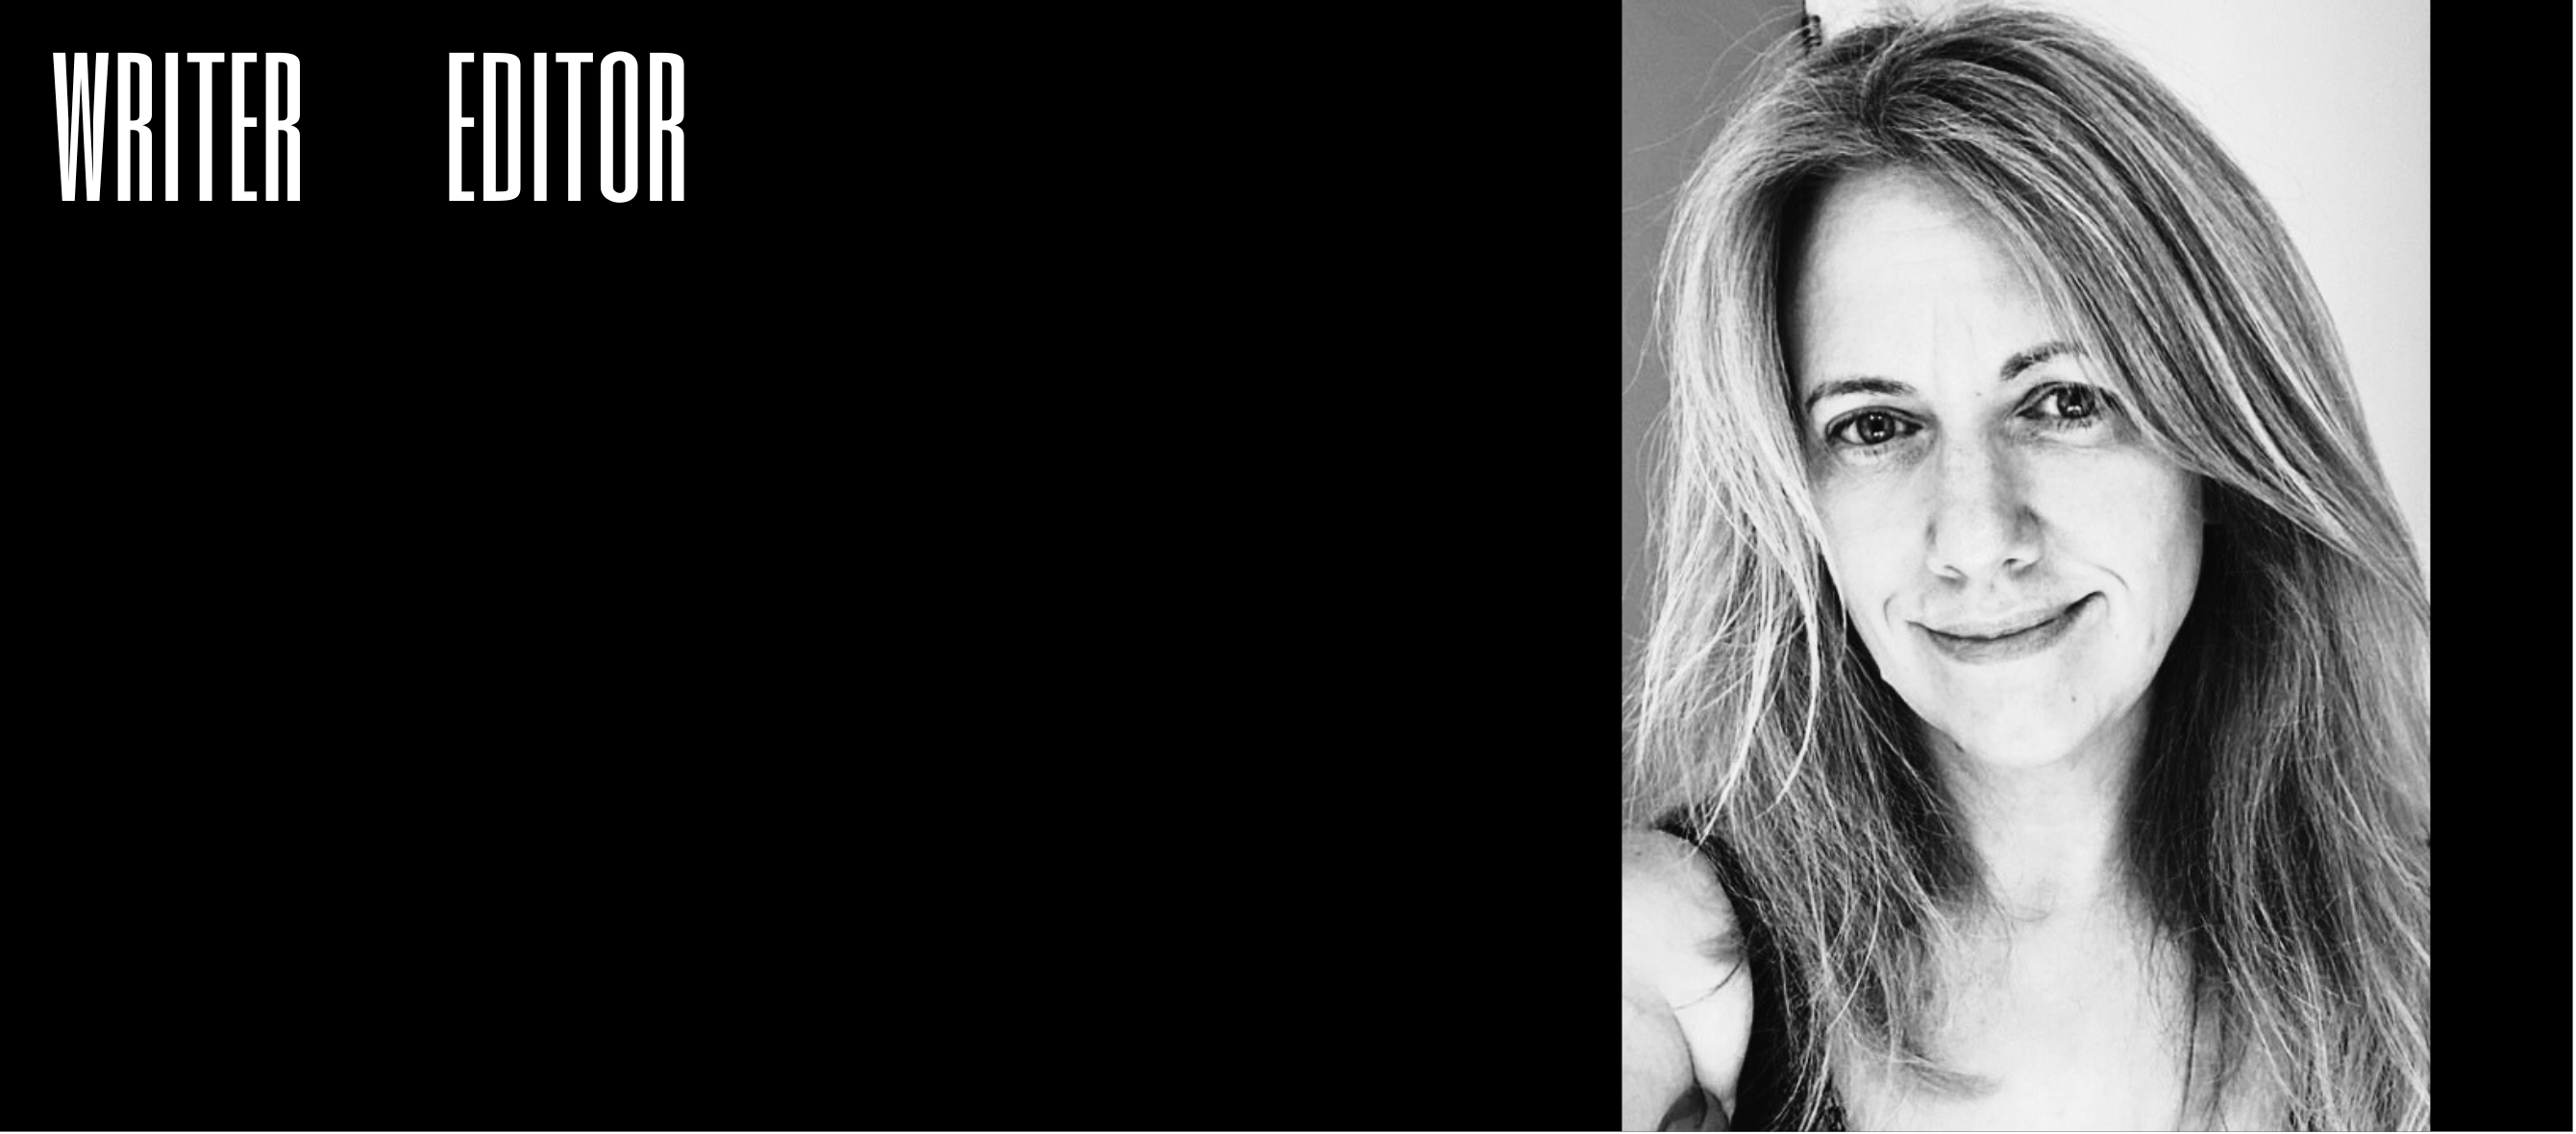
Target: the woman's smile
(1985, 642)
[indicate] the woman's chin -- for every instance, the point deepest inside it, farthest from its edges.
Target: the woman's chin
(2017, 740)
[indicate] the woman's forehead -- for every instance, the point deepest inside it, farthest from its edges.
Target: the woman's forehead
(1892, 264)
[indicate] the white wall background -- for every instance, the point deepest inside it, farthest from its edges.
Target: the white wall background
(2328, 106)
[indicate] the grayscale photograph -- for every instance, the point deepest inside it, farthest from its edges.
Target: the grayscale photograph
(2026, 547)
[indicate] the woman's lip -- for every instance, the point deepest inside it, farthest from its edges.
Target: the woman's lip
(2012, 643)
(2003, 627)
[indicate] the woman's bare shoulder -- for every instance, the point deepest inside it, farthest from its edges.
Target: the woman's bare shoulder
(1664, 872)
(1683, 956)
(1677, 925)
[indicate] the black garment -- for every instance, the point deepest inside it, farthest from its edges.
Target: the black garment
(1763, 1089)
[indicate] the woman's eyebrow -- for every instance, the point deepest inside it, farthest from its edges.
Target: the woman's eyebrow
(2012, 368)
(2034, 356)
(1840, 386)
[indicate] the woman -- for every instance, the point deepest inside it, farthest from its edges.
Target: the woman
(2037, 695)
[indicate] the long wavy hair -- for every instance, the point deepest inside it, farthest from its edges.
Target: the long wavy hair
(2279, 822)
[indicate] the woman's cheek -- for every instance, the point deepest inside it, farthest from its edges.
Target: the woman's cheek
(1864, 537)
(2124, 498)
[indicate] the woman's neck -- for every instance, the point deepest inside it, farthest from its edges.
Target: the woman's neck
(2048, 836)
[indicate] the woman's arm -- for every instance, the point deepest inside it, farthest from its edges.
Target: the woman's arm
(1687, 1002)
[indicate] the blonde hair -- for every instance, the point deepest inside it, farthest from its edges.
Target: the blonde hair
(2280, 821)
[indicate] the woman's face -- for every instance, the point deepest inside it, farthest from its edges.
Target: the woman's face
(2013, 555)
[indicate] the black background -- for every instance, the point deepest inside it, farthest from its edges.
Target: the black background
(1047, 594)
(423, 596)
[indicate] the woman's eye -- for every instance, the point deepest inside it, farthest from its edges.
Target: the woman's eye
(1871, 428)
(2070, 406)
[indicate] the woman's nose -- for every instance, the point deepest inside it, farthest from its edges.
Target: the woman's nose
(1981, 524)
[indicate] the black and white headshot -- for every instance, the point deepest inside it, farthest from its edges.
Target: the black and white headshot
(2028, 608)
